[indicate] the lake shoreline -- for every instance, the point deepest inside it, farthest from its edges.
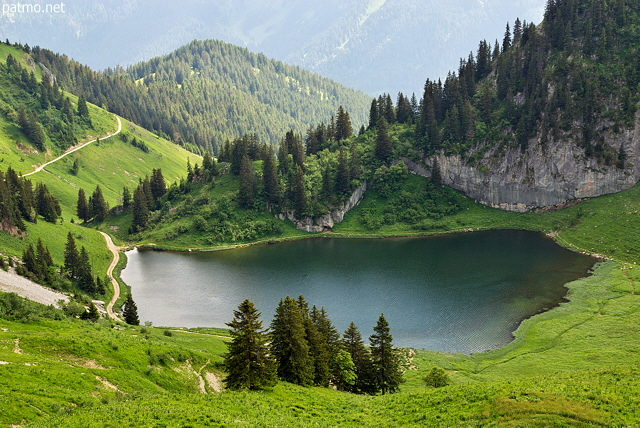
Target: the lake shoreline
(510, 330)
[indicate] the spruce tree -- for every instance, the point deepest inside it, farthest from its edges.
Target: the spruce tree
(383, 150)
(361, 357)
(157, 185)
(271, 183)
(248, 363)
(126, 197)
(343, 125)
(130, 311)
(289, 345)
(83, 110)
(300, 202)
(85, 280)
(82, 207)
(71, 257)
(343, 181)
(318, 349)
(140, 210)
(98, 207)
(386, 363)
(248, 185)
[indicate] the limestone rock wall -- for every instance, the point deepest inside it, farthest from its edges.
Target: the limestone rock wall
(540, 177)
(327, 221)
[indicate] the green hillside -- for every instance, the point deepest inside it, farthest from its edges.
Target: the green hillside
(208, 91)
(112, 163)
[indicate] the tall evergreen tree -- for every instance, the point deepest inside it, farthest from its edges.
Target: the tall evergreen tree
(98, 206)
(130, 311)
(249, 363)
(383, 150)
(343, 125)
(126, 197)
(83, 110)
(85, 280)
(289, 345)
(71, 257)
(506, 41)
(271, 183)
(140, 210)
(157, 185)
(318, 349)
(300, 201)
(374, 114)
(386, 363)
(248, 185)
(361, 357)
(82, 207)
(343, 181)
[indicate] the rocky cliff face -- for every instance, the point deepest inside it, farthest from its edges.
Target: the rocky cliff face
(540, 177)
(327, 221)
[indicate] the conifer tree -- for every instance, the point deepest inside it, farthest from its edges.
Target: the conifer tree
(46, 205)
(83, 110)
(71, 257)
(289, 345)
(300, 202)
(91, 313)
(343, 181)
(311, 142)
(248, 363)
(386, 364)
(248, 185)
(383, 150)
(361, 357)
(98, 207)
(506, 42)
(318, 349)
(85, 280)
(343, 125)
(157, 185)
(271, 183)
(140, 210)
(130, 311)
(82, 207)
(126, 197)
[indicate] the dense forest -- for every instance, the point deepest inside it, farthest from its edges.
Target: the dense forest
(44, 114)
(207, 92)
(573, 77)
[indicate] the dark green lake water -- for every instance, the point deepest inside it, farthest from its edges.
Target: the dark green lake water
(456, 293)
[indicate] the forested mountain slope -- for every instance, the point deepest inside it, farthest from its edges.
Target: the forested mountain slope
(210, 91)
(548, 115)
(372, 45)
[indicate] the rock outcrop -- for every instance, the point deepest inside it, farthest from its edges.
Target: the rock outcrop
(327, 221)
(540, 177)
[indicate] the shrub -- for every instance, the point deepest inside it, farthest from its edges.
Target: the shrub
(437, 378)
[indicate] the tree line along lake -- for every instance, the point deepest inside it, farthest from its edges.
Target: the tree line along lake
(455, 293)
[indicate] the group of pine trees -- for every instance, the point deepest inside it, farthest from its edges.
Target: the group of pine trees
(303, 347)
(76, 272)
(96, 207)
(46, 114)
(19, 201)
(281, 184)
(77, 268)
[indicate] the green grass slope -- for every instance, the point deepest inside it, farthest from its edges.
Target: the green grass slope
(114, 164)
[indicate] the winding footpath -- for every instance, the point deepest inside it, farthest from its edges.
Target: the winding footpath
(75, 149)
(116, 287)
